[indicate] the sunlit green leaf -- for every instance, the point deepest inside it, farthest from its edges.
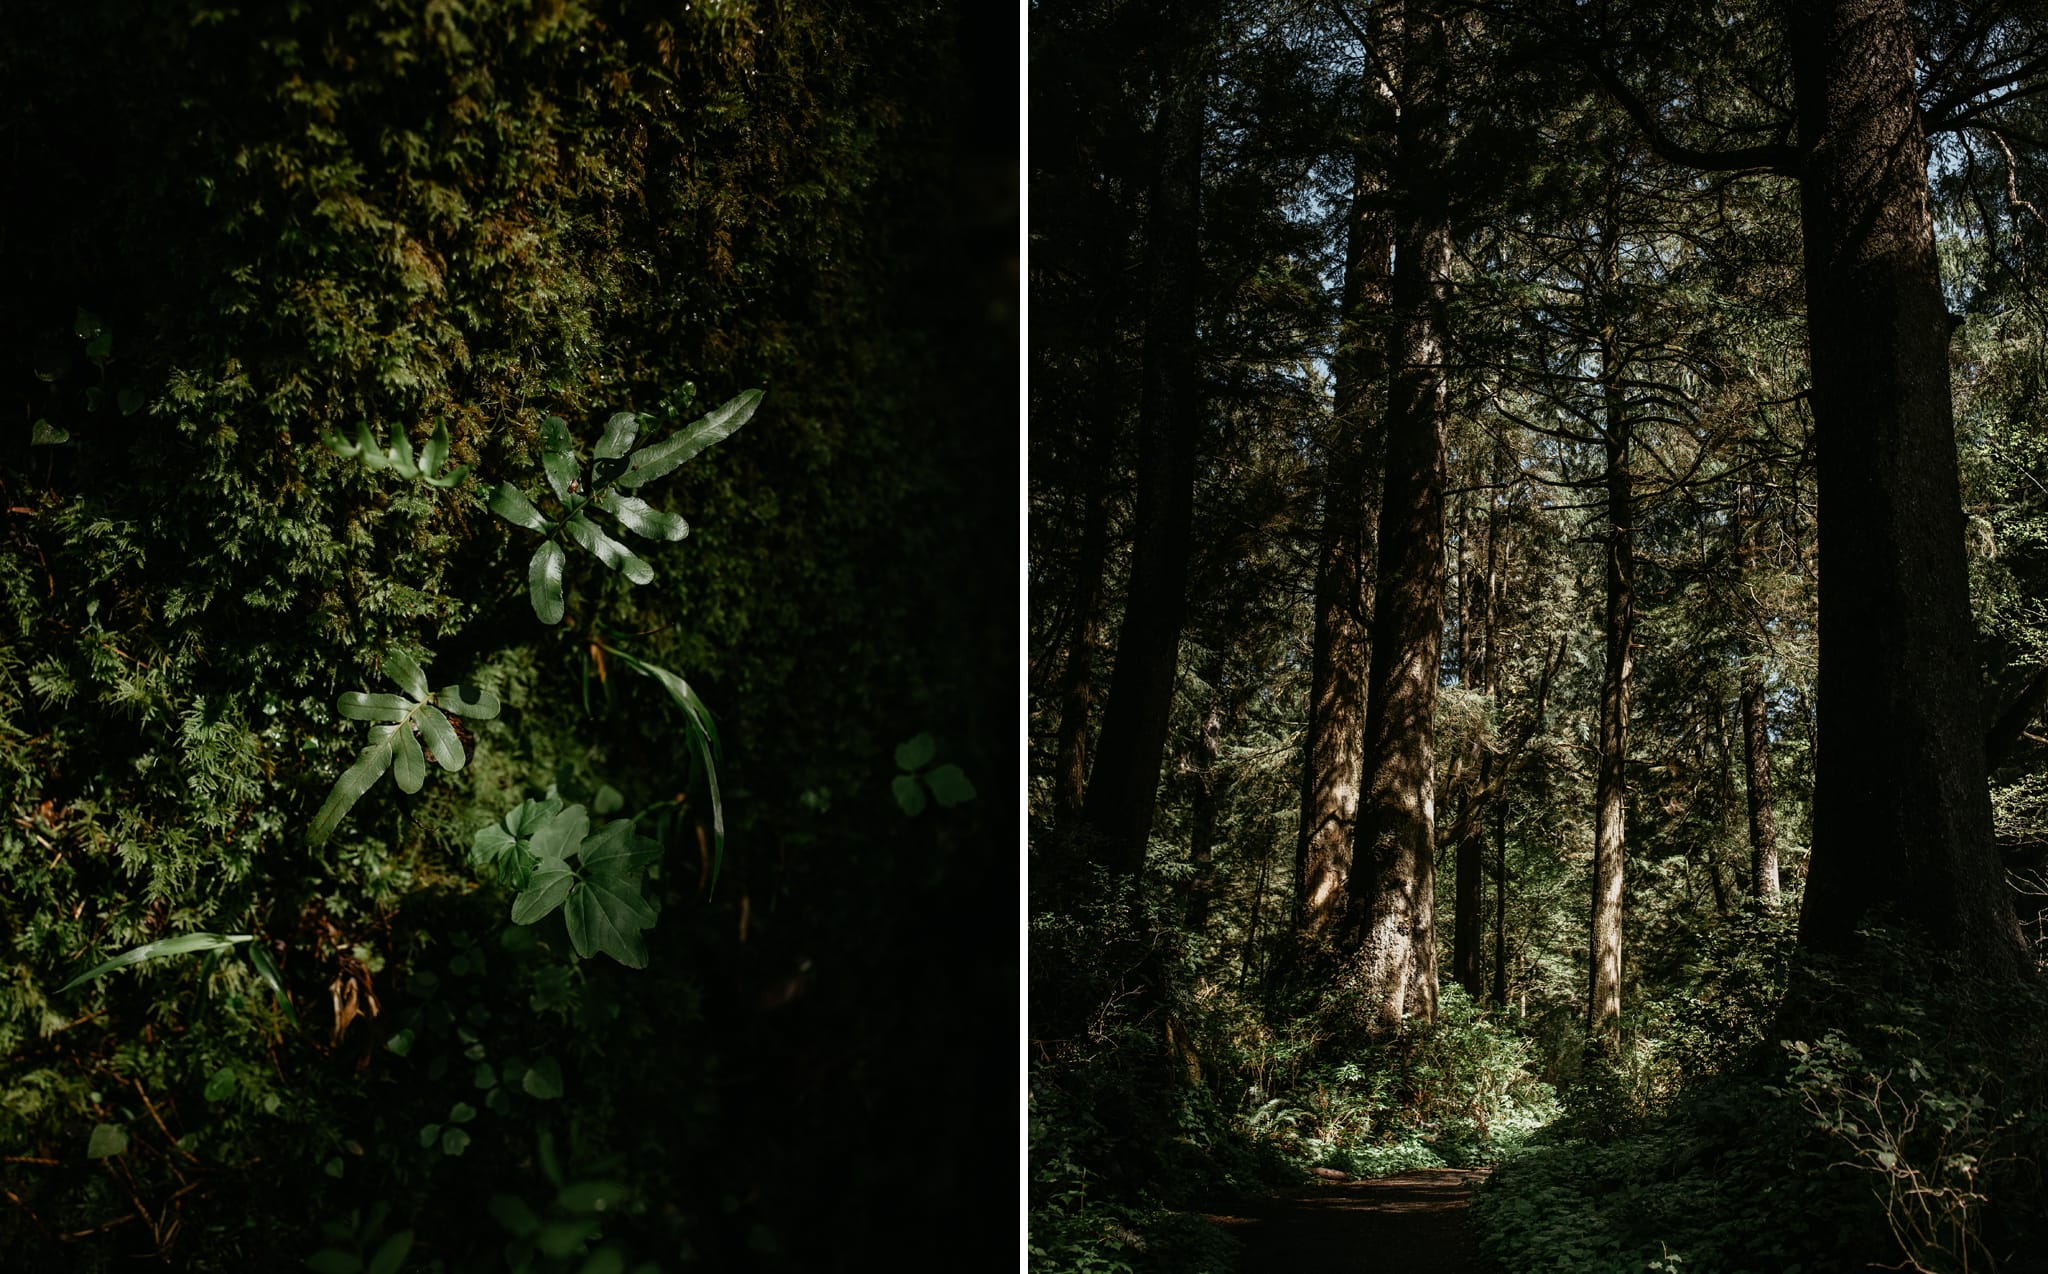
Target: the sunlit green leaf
(558, 457)
(531, 816)
(372, 455)
(220, 1084)
(642, 518)
(614, 850)
(45, 434)
(468, 701)
(714, 426)
(608, 550)
(183, 944)
(401, 454)
(544, 583)
(406, 674)
(408, 764)
(544, 892)
(435, 453)
(369, 766)
(619, 433)
(440, 737)
(359, 706)
(511, 504)
(560, 835)
(607, 915)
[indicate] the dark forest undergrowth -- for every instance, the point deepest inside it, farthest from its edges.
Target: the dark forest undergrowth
(1727, 1130)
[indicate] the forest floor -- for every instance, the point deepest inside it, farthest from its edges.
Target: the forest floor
(1415, 1221)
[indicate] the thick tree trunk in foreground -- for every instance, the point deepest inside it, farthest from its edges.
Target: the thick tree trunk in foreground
(1902, 820)
(1333, 747)
(1610, 815)
(1756, 759)
(1125, 780)
(1391, 923)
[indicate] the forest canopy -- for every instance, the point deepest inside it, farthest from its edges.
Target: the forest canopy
(1536, 628)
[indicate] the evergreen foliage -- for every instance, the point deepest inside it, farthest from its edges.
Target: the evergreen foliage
(423, 233)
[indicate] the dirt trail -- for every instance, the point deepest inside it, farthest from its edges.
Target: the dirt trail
(1414, 1222)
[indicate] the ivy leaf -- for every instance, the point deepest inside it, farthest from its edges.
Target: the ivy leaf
(181, 945)
(511, 504)
(544, 582)
(468, 701)
(609, 551)
(440, 737)
(543, 893)
(498, 850)
(714, 426)
(607, 914)
(615, 851)
(402, 670)
(358, 706)
(556, 839)
(642, 518)
(619, 433)
(531, 816)
(369, 766)
(45, 434)
(408, 764)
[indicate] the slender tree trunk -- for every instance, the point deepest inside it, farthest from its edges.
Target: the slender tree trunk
(1610, 815)
(1202, 807)
(1902, 820)
(1334, 744)
(1500, 901)
(1469, 927)
(1124, 784)
(1756, 761)
(1392, 910)
(1077, 691)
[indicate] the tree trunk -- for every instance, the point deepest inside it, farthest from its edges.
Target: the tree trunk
(1391, 922)
(1334, 744)
(1202, 807)
(1610, 825)
(1471, 864)
(1124, 784)
(1500, 902)
(1902, 820)
(1756, 760)
(1077, 690)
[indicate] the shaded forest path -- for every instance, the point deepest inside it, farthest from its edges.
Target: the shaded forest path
(1416, 1221)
